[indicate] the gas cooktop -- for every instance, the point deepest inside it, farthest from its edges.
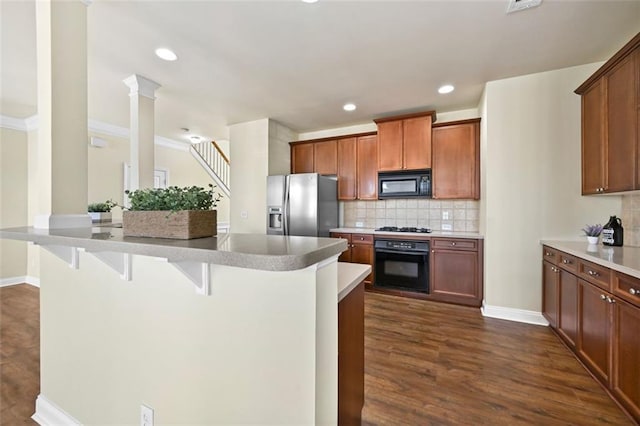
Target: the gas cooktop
(404, 229)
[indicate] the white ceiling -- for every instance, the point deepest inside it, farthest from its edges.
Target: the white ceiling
(298, 63)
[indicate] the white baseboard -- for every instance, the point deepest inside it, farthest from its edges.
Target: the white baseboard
(511, 314)
(49, 414)
(25, 279)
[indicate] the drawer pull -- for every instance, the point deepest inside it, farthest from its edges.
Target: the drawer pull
(611, 300)
(361, 238)
(453, 244)
(566, 261)
(593, 273)
(603, 297)
(634, 291)
(548, 253)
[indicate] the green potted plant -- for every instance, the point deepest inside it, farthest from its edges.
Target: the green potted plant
(173, 212)
(101, 212)
(592, 232)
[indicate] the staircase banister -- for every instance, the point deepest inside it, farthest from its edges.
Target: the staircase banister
(217, 147)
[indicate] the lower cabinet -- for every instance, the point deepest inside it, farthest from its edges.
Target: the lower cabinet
(360, 250)
(456, 271)
(351, 357)
(598, 316)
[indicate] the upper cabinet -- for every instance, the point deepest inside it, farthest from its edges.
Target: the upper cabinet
(456, 160)
(404, 142)
(610, 121)
(315, 157)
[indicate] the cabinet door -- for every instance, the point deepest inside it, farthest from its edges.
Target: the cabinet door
(302, 158)
(622, 126)
(363, 253)
(593, 139)
(550, 293)
(626, 356)
(367, 173)
(416, 143)
(346, 255)
(390, 145)
(594, 330)
(456, 159)
(347, 169)
(326, 157)
(568, 312)
(454, 276)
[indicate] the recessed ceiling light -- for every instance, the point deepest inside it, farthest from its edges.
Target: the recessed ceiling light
(195, 139)
(166, 54)
(349, 107)
(447, 88)
(309, 1)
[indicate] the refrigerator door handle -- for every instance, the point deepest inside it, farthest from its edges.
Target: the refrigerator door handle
(285, 212)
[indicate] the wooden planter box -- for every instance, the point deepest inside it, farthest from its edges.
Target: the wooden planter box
(183, 225)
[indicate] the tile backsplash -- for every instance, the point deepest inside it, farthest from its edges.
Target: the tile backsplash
(631, 219)
(461, 216)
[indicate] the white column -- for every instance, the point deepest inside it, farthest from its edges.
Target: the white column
(141, 149)
(61, 28)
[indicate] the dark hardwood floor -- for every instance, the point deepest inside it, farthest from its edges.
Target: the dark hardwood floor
(428, 363)
(19, 353)
(425, 364)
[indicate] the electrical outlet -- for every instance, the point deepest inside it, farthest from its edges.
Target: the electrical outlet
(244, 214)
(146, 415)
(359, 224)
(447, 227)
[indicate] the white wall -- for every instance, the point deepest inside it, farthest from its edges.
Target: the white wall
(279, 148)
(13, 200)
(531, 173)
(249, 144)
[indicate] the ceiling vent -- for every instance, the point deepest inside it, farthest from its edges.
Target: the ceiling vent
(518, 5)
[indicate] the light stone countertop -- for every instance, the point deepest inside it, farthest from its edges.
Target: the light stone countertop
(622, 259)
(251, 251)
(349, 276)
(443, 234)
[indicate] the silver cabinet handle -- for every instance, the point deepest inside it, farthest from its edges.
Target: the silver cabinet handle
(593, 273)
(603, 297)
(611, 300)
(453, 244)
(547, 253)
(566, 261)
(634, 291)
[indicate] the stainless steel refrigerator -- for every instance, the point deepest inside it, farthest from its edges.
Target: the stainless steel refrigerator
(302, 204)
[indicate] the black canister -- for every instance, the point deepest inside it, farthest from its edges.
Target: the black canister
(613, 232)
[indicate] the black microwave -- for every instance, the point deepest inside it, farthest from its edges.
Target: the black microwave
(409, 184)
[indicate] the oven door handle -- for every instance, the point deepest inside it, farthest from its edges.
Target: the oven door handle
(410, 253)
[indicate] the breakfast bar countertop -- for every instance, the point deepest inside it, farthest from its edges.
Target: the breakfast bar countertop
(251, 251)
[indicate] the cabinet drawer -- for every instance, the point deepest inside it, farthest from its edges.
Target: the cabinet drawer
(596, 274)
(454, 244)
(626, 287)
(550, 255)
(568, 262)
(361, 239)
(341, 235)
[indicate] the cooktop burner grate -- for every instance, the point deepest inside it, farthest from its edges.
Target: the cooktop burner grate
(404, 229)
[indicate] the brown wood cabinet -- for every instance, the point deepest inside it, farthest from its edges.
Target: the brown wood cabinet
(456, 160)
(404, 142)
(360, 250)
(351, 357)
(315, 157)
(598, 313)
(366, 170)
(347, 174)
(456, 270)
(610, 124)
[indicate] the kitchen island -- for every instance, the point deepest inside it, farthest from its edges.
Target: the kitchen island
(121, 327)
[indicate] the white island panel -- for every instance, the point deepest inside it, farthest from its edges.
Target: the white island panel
(261, 350)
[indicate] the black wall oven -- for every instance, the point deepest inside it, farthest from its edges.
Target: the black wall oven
(402, 265)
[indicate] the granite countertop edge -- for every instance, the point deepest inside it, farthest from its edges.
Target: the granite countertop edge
(349, 276)
(622, 259)
(439, 234)
(197, 250)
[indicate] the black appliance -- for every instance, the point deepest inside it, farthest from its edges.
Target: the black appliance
(402, 265)
(409, 184)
